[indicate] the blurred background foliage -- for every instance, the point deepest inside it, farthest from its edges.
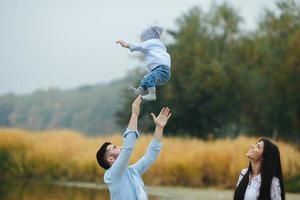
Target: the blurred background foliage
(225, 81)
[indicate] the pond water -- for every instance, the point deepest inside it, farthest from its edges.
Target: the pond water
(34, 190)
(37, 190)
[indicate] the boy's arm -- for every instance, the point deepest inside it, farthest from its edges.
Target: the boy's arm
(153, 150)
(141, 46)
(130, 136)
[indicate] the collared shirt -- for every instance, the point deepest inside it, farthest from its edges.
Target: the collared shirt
(154, 51)
(253, 187)
(125, 182)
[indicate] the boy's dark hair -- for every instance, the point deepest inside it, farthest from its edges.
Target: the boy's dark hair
(101, 156)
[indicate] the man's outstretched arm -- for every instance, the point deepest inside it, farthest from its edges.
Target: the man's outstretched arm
(130, 136)
(160, 122)
(154, 147)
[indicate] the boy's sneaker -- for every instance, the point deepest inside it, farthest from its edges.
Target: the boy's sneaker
(151, 96)
(136, 91)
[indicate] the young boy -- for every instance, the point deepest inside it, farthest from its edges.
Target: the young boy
(157, 59)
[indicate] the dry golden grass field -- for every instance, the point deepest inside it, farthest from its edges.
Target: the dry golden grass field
(68, 155)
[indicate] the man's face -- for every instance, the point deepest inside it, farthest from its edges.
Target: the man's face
(113, 152)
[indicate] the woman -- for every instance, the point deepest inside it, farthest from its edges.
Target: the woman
(262, 180)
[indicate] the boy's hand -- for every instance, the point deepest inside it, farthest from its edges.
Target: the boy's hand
(162, 119)
(122, 43)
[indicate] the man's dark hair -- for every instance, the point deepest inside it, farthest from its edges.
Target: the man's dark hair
(101, 156)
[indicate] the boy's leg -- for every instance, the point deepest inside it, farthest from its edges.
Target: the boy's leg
(148, 83)
(157, 77)
(162, 75)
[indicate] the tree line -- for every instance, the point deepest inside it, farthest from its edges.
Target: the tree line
(228, 81)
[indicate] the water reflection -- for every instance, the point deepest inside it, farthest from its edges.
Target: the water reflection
(32, 190)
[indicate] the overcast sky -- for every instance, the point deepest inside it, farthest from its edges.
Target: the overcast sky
(68, 43)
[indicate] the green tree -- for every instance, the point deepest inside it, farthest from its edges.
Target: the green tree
(226, 81)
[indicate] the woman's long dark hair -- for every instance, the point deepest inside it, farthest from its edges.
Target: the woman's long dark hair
(270, 167)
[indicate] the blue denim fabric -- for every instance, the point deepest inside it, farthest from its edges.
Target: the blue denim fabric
(156, 77)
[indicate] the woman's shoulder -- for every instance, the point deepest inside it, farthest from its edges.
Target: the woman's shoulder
(242, 174)
(243, 171)
(275, 181)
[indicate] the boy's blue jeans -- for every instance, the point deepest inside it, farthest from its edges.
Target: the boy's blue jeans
(156, 77)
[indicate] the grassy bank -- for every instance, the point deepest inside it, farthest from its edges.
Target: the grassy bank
(67, 155)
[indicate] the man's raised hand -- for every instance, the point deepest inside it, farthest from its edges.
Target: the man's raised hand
(136, 106)
(162, 119)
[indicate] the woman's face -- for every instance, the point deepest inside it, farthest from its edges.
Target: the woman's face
(255, 151)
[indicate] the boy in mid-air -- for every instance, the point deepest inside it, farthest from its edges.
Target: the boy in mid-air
(157, 59)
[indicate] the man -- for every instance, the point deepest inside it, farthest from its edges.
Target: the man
(125, 182)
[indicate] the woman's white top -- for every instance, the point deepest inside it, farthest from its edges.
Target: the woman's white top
(253, 187)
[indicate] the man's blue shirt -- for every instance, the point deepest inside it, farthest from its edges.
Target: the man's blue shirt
(125, 182)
